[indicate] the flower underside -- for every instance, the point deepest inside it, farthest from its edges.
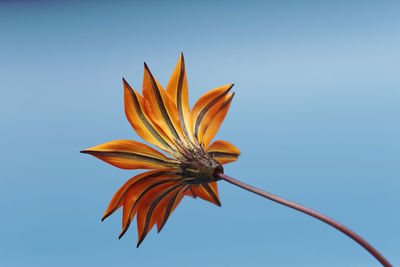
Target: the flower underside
(163, 118)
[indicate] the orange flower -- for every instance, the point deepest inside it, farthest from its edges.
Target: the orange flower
(163, 118)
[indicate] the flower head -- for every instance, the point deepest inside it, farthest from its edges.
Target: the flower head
(164, 119)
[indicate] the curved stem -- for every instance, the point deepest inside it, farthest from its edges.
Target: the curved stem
(312, 213)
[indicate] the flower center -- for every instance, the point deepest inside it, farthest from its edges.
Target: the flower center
(200, 167)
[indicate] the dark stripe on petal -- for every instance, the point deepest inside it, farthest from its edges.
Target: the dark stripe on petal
(227, 102)
(126, 155)
(212, 194)
(191, 190)
(161, 104)
(207, 108)
(168, 210)
(223, 155)
(140, 197)
(143, 117)
(150, 213)
(121, 198)
(179, 98)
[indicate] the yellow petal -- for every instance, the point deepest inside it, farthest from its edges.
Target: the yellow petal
(214, 124)
(141, 123)
(223, 151)
(128, 154)
(205, 108)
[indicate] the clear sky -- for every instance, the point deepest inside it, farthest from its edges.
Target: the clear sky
(315, 115)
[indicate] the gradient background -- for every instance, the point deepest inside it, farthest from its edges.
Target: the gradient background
(316, 117)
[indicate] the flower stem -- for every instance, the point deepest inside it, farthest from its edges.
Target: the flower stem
(312, 213)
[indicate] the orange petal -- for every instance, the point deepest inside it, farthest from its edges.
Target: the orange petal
(214, 188)
(128, 154)
(141, 123)
(215, 122)
(189, 192)
(206, 108)
(173, 200)
(177, 89)
(133, 187)
(140, 193)
(126, 213)
(208, 192)
(162, 206)
(223, 151)
(148, 212)
(132, 203)
(161, 108)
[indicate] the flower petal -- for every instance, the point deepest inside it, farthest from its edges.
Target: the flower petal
(163, 204)
(223, 151)
(128, 154)
(148, 213)
(214, 124)
(189, 192)
(141, 123)
(133, 186)
(173, 202)
(140, 193)
(206, 108)
(133, 207)
(161, 108)
(208, 192)
(177, 89)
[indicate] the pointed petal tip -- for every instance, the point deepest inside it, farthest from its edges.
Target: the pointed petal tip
(162, 225)
(147, 69)
(140, 241)
(229, 88)
(126, 85)
(105, 217)
(124, 231)
(87, 151)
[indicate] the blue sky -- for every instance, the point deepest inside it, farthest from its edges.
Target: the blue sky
(315, 116)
